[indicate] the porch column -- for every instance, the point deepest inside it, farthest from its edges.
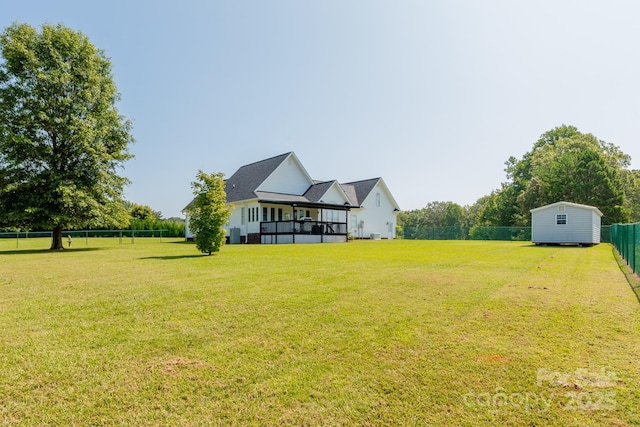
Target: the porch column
(322, 226)
(293, 223)
(346, 218)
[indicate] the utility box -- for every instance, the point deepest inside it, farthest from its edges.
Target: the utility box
(234, 236)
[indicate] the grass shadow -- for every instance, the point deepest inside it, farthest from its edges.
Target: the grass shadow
(632, 278)
(170, 257)
(46, 251)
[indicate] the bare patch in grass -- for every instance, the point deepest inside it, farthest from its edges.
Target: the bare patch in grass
(177, 365)
(493, 358)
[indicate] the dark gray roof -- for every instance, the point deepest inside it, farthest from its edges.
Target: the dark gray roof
(359, 189)
(316, 191)
(242, 184)
(281, 197)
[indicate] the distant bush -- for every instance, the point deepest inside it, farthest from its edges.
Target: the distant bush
(170, 227)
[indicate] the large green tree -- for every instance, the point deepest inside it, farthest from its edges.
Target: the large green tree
(631, 183)
(208, 212)
(577, 170)
(61, 136)
(564, 164)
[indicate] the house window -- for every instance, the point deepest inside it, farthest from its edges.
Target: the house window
(273, 214)
(264, 214)
(279, 214)
(561, 219)
(243, 216)
(377, 200)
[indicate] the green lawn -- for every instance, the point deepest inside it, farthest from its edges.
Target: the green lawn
(370, 333)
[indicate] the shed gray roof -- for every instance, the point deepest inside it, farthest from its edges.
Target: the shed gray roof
(575, 205)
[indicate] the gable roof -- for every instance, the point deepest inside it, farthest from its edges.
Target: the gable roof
(243, 183)
(317, 190)
(359, 190)
(575, 205)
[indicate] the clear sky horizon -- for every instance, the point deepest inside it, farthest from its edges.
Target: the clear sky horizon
(433, 96)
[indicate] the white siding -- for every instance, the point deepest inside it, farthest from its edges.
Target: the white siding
(288, 178)
(595, 228)
(251, 221)
(376, 218)
(187, 233)
(334, 195)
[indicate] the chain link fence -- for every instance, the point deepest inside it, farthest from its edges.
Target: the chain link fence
(124, 236)
(467, 233)
(626, 239)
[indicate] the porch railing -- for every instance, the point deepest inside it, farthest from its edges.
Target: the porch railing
(303, 227)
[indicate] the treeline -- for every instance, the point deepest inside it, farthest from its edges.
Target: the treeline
(138, 217)
(145, 218)
(563, 165)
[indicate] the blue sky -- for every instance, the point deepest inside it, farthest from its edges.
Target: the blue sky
(434, 96)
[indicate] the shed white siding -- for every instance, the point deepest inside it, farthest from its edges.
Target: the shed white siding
(565, 223)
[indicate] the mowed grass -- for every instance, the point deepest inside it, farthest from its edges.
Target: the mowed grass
(373, 333)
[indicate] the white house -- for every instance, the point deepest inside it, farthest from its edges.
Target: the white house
(276, 201)
(565, 223)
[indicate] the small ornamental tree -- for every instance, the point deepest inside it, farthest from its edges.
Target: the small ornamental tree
(209, 212)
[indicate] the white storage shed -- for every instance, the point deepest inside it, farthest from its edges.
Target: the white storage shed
(565, 223)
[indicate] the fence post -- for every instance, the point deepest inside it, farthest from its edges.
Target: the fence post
(632, 255)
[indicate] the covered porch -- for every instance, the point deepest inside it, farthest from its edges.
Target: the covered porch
(311, 223)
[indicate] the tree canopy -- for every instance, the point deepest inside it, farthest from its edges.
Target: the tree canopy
(143, 212)
(564, 164)
(434, 214)
(61, 136)
(208, 212)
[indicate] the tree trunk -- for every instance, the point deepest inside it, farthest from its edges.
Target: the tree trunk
(56, 240)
